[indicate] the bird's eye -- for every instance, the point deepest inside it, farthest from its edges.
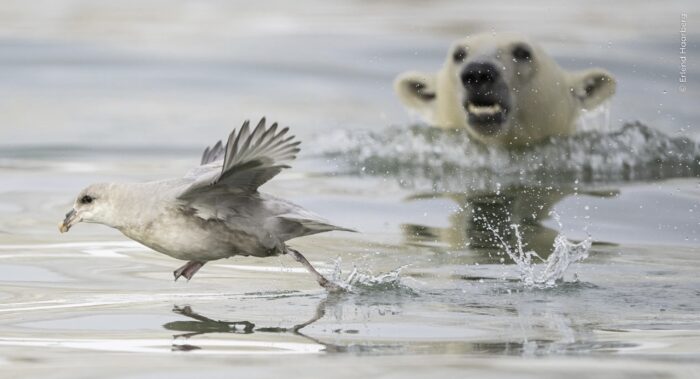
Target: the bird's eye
(459, 54)
(87, 199)
(521, 53)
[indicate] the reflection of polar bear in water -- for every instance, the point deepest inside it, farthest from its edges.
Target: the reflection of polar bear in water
(504, 89)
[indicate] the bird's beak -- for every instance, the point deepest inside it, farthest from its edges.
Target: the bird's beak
(71, 219)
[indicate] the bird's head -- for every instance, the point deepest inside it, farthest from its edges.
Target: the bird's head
(93, 204)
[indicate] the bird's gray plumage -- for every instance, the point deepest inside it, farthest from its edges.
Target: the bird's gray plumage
(215, 211)
(250, 159)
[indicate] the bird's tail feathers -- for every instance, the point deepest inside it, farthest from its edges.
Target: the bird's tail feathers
(290, 226)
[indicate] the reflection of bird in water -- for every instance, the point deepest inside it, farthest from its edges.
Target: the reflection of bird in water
(480, 214)
(204, 325)
(200, 325)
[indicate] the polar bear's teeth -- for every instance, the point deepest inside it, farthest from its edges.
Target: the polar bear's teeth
(484, 110)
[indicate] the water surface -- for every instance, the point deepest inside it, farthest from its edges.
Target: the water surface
(131, 92)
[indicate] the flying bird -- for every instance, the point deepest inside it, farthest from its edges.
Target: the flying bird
(215, 211)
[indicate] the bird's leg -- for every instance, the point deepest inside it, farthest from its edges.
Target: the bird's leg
(325, 283)
(188, 270)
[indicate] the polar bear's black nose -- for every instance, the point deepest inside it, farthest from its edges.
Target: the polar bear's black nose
(477, 74)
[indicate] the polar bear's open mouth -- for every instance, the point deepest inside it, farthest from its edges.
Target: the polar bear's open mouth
(486, 114)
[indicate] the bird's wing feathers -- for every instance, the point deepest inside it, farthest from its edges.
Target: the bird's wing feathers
(213, 153)
(250, 158)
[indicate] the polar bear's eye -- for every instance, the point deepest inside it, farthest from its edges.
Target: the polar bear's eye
(521, 53)
(459, 54)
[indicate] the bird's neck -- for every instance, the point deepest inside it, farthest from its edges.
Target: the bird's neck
(133, 205)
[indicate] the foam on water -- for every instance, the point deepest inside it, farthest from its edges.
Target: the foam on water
(447, 159)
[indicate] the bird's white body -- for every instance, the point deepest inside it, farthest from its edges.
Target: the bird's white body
(244, 224)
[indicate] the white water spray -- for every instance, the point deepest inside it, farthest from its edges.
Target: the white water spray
(359, 281)
(548, 272)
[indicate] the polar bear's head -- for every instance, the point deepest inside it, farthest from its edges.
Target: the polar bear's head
(504, 89)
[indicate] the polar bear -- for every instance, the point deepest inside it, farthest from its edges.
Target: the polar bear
(505, 90)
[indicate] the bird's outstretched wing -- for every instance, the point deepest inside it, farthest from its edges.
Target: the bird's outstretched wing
(213, 153)
(250, 158)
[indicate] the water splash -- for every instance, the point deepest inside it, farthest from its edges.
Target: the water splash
(447, 160)
(549, 272)
(360, 281)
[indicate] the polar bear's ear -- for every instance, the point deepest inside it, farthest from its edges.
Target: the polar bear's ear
(592, 87)
(417, 91)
